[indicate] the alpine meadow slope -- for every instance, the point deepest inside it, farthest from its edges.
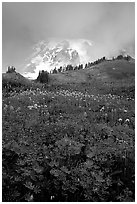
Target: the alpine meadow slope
(72, 139)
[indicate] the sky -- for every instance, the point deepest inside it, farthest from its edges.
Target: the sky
(110, 26)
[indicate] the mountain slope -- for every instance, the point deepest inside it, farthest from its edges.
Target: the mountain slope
(14, 81)
(15, 77)
(48, 55)
(109, 70)
(116, 77)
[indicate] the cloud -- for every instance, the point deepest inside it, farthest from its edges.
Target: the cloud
(110, 26)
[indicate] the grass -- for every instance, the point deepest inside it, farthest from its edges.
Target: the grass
(72, 140)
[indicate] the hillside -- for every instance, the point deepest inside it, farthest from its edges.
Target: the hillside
(117, 69)
(106, 77)
(72, 140)
(15, 78)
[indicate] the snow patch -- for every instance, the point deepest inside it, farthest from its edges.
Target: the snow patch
(44, 55)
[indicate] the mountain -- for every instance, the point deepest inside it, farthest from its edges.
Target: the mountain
(46, 55)
(50, 54)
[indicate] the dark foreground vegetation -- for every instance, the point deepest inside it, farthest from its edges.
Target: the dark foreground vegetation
(71, 140)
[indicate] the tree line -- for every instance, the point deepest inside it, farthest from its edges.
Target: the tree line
(44, 78)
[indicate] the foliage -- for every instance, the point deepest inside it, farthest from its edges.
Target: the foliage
(119, 57)
(11, 69)
(65, 144)
(43, 77)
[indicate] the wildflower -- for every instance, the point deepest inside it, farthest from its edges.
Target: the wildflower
(125, 111)
(120, 119)
(30, 107)
(35, 106)
(85, 114)
(30, 198)
(52, 197)
(127, 120)
(102, 108)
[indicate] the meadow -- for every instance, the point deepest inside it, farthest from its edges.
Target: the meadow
(72, 140)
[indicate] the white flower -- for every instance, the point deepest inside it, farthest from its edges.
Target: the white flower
(30, 107)
(127, 120)
(52, 197)
(31, 198)
(35, 106)
(102, 108)
(85, 114)
(120, 119)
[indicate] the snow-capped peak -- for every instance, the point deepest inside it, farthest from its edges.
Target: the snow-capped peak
(54, 53)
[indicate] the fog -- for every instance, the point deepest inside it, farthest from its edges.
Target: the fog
(110, 27)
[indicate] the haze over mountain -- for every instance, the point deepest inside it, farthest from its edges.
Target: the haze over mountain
(53, 53)
(92, 30)
(47, 55)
